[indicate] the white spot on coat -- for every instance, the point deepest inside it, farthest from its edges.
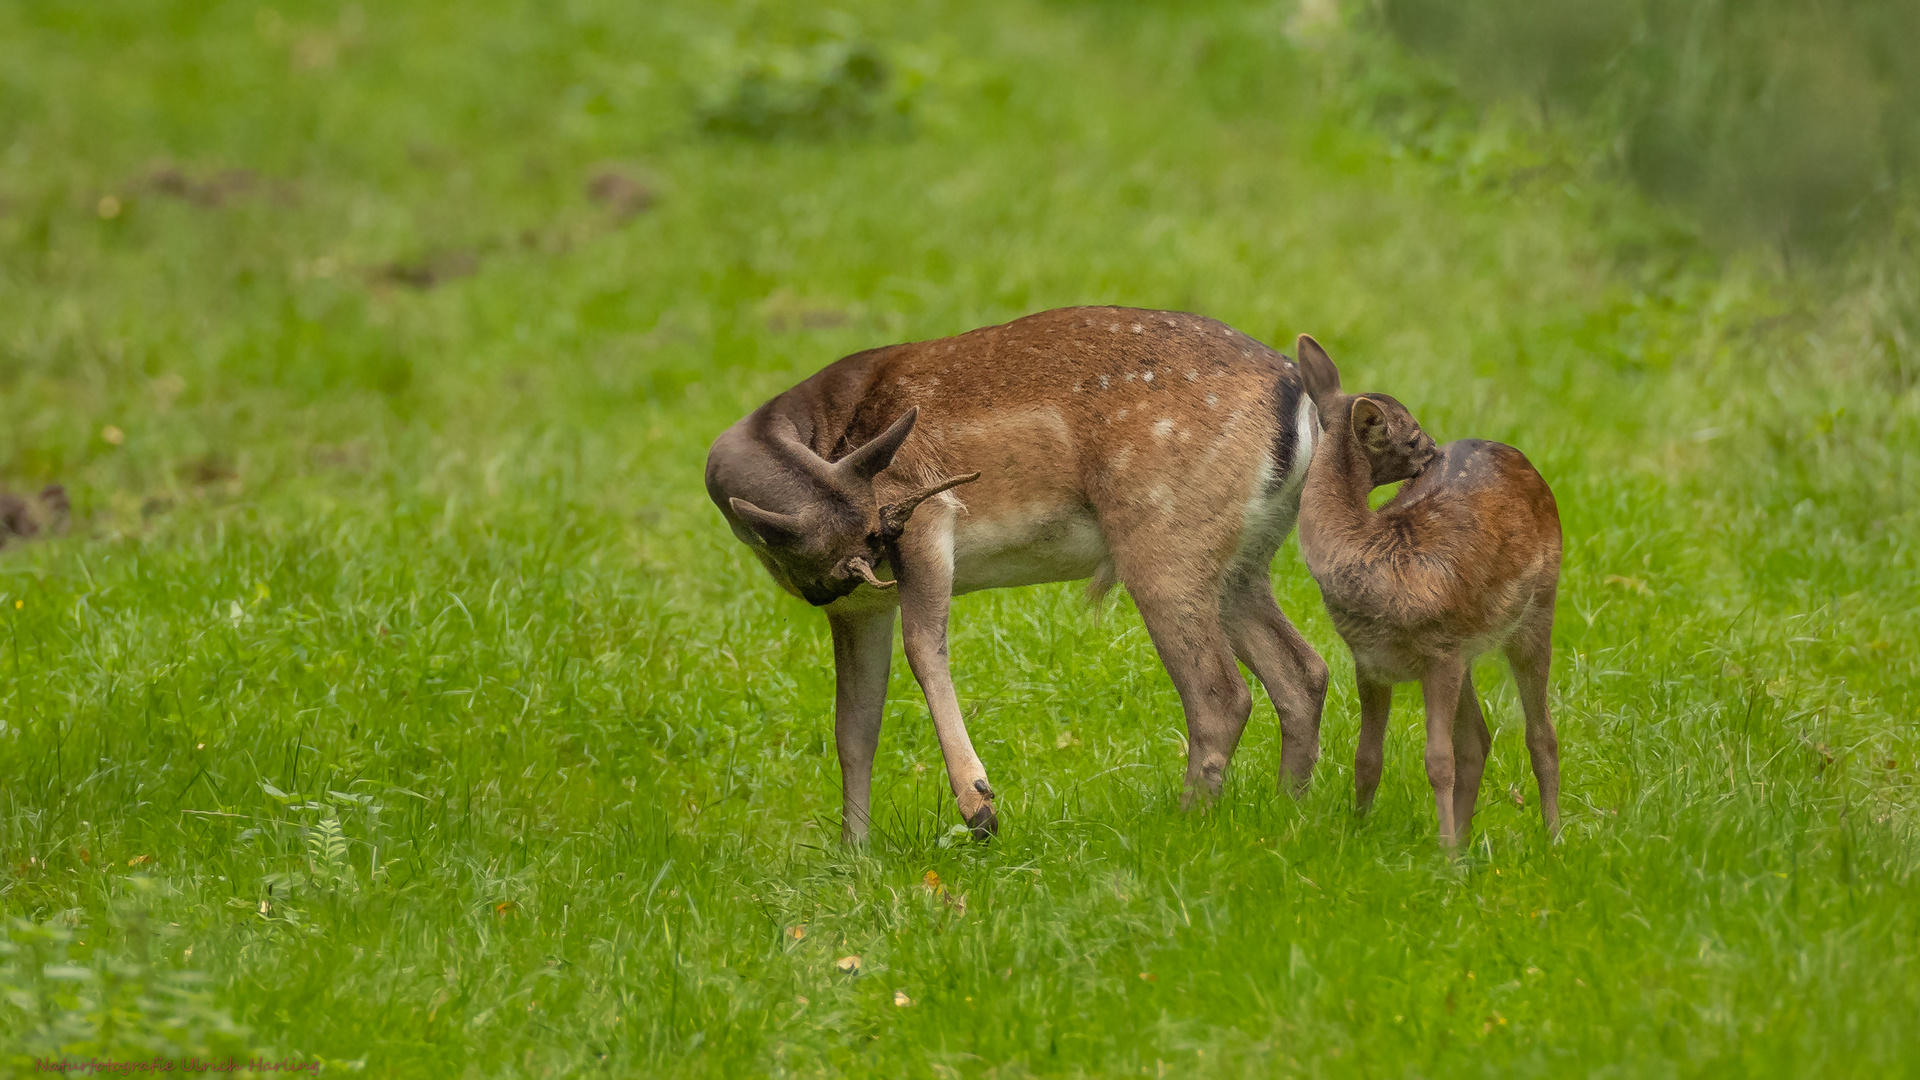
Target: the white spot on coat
(1148, 376)
(1138, 329)
(1213, 400)
(1103, 382)
(1162, 428)
(1193, 376)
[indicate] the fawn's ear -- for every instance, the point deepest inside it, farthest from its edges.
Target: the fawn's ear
(773, 529)
(1317, 371)
(1369, 424)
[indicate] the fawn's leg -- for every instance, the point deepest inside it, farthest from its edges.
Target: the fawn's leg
(1441, 688)
(1471, 742)
(925, 573)
(1369, 756)
(1531, 655)
(862, 652)
(1294, 675)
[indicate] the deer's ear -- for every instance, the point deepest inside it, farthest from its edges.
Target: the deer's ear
(867, 462)
(1317, 371)
(773, 529)
(1369, 424)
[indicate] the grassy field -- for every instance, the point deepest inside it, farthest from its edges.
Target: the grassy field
(398, 701)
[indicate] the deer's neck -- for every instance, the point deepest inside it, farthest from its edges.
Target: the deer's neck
(1334, 515)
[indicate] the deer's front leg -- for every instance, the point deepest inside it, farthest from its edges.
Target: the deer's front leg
(862, 652)
(926, 591)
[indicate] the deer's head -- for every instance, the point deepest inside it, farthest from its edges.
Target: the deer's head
(1388, 435)
(822, 531)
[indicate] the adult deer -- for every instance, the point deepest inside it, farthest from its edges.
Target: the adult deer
(1158, 449)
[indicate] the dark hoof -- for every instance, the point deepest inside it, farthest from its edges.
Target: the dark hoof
(984, 823)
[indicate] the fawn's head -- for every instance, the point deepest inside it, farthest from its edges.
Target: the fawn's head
(831, 530)
(1387, 433)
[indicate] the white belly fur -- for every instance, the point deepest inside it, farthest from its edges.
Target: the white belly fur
(1039, 544)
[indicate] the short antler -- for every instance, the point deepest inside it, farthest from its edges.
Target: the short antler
(865, 569)
(894, 515)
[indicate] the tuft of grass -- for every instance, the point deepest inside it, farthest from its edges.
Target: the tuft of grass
(397, 698)
(832, 87)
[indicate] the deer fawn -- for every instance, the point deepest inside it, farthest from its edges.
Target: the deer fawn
(1464, 558)
(1153, 448)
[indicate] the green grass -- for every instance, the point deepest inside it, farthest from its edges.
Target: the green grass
(399, 698)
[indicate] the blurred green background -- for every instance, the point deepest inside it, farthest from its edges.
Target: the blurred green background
(1787, 122)
(396, 700)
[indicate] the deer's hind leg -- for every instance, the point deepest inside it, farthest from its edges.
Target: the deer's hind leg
(1471, 743)
(1530, 653)
(1175, 548)
(1181, 607)
(1294, 675)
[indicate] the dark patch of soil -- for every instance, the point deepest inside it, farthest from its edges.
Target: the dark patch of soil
(621, 191)
(23, 517)
(426, 271)
(212, 189)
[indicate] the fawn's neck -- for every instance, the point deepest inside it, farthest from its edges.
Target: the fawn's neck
(1333, 505)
